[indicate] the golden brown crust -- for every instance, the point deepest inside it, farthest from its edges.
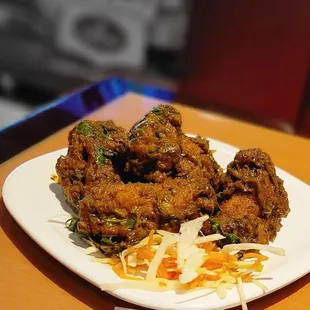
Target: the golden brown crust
(124, 184)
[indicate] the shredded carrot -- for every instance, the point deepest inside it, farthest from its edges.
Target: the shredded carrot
(162, 272)
(247, 277)
(233, 257)
(174, 275)
(218, 256)
(150, 241)
(211, 278)
(170, 263)
(120, 272)
(208, 246)
(209, 265)
(196, 282)
(255, 255)
(217, 266)
(145, 253)
(257, 263)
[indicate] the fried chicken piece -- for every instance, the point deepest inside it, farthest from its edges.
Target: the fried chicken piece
(124, 184)
(197, 160)
(101, 163)
(93, 146)
(253, 199)
(158, 149)
(118, 215)
(154, 145)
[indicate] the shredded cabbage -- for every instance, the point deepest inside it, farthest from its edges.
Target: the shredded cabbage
(253, 246)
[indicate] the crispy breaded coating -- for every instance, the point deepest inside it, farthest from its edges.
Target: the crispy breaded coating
(197, 159)
(123, 184)
(131, 210)
(253, 199)
(92, 148)
(155, 145)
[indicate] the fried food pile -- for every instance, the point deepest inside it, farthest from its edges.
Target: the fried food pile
(122, 184)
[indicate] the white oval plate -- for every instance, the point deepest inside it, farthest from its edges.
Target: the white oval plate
(39, 207)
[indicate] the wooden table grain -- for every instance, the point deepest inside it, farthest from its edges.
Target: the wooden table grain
(32, 279)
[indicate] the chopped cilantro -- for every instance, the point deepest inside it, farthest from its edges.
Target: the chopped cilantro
(104, 136)
(72, 223)
(156, 110)
(216, 228)
(107, 129)
(107, 240)
(233, 238)
(113, 220)
(85, 128)
(100, 158)
(131, 223)
(120, 212)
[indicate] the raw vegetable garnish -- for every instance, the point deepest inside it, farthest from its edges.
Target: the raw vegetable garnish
(55, 178)
(72, 223)
(185, 261)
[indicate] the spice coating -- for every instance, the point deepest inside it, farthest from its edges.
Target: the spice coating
(124, 183)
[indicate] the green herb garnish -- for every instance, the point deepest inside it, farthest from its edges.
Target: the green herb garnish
(107, 129)
(131, 223)
(107, 240)
(72, 223)
(215, 225)
(113, 220)
(85, 128)
(100, 158)
(233, 238)
(120, 212)
(156, 110)
(216, 228)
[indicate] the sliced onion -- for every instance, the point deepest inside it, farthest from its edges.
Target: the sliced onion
(229, 279)
(194, 224)
(241, 294)
(131, 250)
(190, 267)
(132, 259)
(221, 292)
(209, 238)
(186, 246)
(260, 285)
(91, 250)
(253, 246)
(159, 255)
(165, 233)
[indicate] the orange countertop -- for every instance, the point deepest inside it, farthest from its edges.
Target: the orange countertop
(32, 279)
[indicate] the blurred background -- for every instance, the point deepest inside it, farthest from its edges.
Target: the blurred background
(246, 59)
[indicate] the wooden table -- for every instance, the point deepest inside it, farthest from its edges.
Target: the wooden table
(31, 279)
